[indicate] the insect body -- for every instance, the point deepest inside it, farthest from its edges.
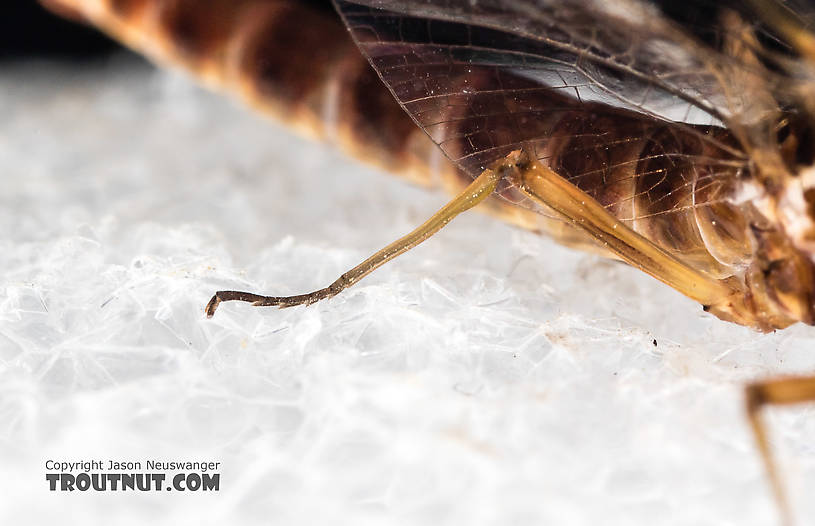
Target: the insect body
(691, 142)
(681, 141)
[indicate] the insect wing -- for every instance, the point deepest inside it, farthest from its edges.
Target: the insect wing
(486, 78)
(646, 107)
(626, 55)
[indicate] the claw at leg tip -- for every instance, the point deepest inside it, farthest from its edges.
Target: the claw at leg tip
(211, 306)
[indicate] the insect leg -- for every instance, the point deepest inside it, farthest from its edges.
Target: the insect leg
(476, 192)
(782, 391)
(543, 185)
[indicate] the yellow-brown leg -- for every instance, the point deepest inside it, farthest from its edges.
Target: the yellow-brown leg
(476, 192)
(541, 184)
(780, 391)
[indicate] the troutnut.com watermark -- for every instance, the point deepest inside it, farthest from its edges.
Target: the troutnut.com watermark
(146, 475)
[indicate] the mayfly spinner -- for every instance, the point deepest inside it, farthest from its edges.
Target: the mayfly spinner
(679, 138)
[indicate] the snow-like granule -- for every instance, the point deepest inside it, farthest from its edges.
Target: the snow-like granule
(488, 377)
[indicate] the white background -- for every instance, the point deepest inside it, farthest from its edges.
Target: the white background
(487, 377)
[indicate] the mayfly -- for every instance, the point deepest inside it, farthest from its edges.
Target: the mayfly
(677, 138)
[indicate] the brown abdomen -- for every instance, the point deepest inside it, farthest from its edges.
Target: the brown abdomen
(295, 60)
(292, 59)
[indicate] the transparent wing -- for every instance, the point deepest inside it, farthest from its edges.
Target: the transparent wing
(485, 77)
(661, 58)
(652, 108)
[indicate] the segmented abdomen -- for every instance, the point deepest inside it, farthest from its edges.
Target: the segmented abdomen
(292, 59)
(296, 61)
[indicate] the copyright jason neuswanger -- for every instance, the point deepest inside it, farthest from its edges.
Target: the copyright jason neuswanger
(138, 475)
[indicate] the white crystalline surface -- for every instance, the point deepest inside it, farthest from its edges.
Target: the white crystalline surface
(489, 377)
